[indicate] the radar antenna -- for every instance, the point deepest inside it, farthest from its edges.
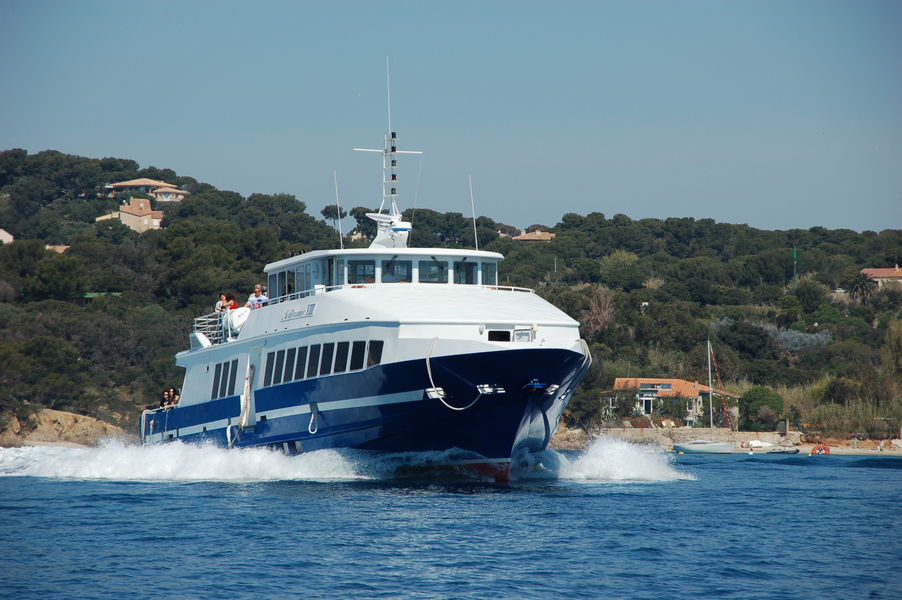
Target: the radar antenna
(391, 231)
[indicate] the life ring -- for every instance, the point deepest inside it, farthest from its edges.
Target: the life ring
(821, 449)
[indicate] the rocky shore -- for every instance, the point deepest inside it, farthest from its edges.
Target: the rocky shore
(58, 428)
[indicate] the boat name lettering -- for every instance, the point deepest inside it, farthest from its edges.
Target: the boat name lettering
(299, 313)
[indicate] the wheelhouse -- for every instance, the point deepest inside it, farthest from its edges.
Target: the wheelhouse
(313, 272)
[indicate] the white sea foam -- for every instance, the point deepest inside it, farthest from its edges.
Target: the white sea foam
(605, 460)
(172, 462)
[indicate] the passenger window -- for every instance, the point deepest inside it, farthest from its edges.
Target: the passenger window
(465, 272)
(301, 364)
(357, 352)
(283, 285)
(289, 365)
(232, 375)
(224, 382)
(216, 375)
(375, 355)
(397, 271)
(433, 271)
(313, 361)
(361, 271)
(489, 273)
(499, 336)
(267, 375)
(280, 365)
(341, 357)
(325, 365)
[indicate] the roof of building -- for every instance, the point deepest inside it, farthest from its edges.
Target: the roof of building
(140, 207)
(58, 248)
(884, 273)
(535, 236)
(142, 182)
(679, 388)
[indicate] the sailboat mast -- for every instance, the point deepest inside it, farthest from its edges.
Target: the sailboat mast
(710, 390)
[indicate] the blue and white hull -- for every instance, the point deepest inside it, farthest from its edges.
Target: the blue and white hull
(391, 408)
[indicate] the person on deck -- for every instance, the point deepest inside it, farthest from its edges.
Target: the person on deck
(258, 298)
(221, 303)
(230, 302)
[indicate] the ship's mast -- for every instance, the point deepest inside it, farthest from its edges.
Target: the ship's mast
(391, 230)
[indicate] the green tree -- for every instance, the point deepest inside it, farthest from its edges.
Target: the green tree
(759, 409)
(749, 340)
(57, 276)
(810, 294)
(331, 212)
(861, 286)
(620, 270)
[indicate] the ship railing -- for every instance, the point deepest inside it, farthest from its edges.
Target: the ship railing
(213, 326)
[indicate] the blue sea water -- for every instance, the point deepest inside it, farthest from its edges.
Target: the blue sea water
(616, 521)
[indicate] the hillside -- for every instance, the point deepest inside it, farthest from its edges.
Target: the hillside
(94, 329)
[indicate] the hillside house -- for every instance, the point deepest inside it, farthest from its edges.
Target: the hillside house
(160, 190)
(137, 215)
(885, 276)
(651, 393)
(535, 236)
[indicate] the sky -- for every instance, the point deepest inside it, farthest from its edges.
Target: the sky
(776, 113)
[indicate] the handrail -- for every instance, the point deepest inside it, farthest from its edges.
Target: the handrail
(212, 327)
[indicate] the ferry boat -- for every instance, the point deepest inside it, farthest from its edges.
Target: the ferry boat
(386, 348)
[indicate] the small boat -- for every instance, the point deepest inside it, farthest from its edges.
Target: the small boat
(703, 447)
(782, 450)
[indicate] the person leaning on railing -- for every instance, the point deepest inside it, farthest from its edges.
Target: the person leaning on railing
(258, 298)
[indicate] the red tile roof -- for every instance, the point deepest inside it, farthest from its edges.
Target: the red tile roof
(884, 273)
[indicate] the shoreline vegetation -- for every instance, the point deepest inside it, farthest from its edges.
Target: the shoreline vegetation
(93, 311)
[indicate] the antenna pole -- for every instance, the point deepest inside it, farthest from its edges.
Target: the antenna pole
(473, 209)
(341, 243)
(388, 92)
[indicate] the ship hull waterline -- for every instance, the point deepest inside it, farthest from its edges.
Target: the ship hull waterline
(395, 408)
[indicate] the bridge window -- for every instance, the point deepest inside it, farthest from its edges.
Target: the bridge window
(489, 273)
(433, 271)
(361, 271)
(465, 272)
(397, 271)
